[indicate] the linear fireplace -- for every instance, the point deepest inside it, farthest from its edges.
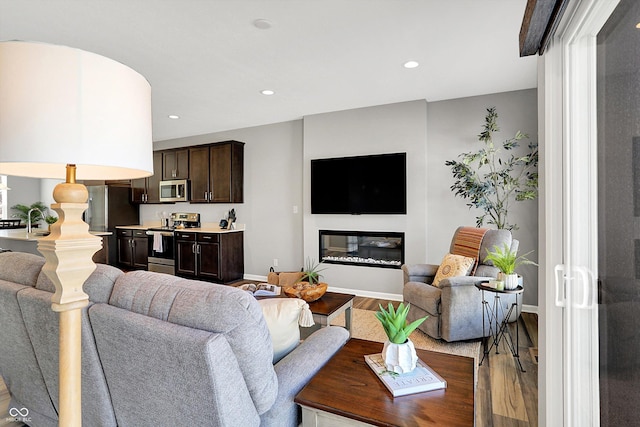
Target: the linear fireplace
(364, 248)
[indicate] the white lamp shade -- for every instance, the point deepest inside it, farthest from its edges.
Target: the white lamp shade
(60, 105)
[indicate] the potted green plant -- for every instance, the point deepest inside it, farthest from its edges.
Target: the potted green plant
(36, 213)
(506, 260)
(50, 220)
(398, 353)
(311, 272)
(495, 175)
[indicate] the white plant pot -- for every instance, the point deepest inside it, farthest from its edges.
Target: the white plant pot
(510, 281)
(399, 358)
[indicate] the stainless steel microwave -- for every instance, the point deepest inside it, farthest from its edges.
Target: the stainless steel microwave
(174, 191)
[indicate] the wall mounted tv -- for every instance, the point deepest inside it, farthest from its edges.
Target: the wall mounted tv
(374, 184)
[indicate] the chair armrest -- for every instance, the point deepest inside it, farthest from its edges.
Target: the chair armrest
(457, 281)
(419, 272)
(462, 311)
(297, 368)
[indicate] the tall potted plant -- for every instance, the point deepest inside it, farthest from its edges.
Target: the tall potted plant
(398, 353)
(495, 175)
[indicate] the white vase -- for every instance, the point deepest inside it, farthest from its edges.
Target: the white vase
(399, 358)
(510, 281)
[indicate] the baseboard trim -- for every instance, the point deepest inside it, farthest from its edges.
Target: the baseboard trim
(530, 308)
(255, 277)
(367, 294)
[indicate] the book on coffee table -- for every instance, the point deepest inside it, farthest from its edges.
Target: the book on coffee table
(422, 378)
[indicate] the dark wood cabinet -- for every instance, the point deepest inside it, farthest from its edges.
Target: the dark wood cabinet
(175, 164)
(199, 174)
(147, 190)
(215, 257)
(133, 249)
(185, 254)
(216, 172)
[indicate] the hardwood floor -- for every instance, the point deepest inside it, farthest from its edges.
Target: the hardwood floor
(505, 396)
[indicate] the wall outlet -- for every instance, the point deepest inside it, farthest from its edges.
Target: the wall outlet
(295, 209)
(275, 262)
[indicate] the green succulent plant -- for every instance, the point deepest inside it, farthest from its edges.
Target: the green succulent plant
(311, 272)
(506, 260)
(395, 324)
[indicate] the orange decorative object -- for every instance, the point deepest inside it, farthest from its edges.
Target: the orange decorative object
(306, 291)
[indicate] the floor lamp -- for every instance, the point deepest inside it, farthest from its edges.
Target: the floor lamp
(70, 114)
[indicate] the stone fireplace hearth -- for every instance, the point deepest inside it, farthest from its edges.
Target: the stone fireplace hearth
(363, 248)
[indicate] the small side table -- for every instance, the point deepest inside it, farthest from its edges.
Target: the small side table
(498, 321)
(328, 308)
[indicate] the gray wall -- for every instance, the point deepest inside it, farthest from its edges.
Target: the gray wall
(430, 133)
(24, 191)
(453, 127)
(375, 130)
(272, 187)
(277, 175)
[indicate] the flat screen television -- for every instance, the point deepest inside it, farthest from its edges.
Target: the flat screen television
(374, 184)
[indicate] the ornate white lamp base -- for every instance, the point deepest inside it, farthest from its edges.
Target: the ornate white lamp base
(68, 251)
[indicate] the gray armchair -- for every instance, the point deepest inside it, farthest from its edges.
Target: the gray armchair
(455, 306)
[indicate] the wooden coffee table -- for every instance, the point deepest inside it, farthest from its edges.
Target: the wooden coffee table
(327, 308)
(345, 392)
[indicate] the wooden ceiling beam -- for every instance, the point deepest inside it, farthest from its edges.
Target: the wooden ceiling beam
(540, 20)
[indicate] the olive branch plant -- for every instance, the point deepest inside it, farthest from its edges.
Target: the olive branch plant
(494, 176)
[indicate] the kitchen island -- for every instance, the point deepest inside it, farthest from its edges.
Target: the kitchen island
(18, 240)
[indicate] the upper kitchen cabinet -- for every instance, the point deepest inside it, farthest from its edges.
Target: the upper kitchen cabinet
(147, 190)
(216, 172)
(175, 164)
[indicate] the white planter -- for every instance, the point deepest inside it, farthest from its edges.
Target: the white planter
(510, 281)
(399, 358)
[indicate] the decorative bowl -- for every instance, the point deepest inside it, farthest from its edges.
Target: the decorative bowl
(306, 291)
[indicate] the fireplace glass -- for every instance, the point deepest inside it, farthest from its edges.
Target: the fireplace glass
(364, 248)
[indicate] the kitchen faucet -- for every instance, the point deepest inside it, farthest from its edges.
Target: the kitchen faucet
(29, 218)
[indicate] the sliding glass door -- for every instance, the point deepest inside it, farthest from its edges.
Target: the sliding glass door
(618, 91)
(591, 93)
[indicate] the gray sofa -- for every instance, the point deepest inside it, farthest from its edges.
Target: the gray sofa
(455, 306)
(157, 350)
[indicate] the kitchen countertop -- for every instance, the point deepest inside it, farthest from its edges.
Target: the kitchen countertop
(206, 228)
(21, 234)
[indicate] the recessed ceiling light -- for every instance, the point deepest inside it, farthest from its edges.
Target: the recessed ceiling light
(173, 116)
(638, 25)
(267, 92)
(262, 24)
(411, 64)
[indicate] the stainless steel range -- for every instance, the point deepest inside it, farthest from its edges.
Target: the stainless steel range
(161, 249)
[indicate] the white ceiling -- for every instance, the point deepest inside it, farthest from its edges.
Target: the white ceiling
(207, 62)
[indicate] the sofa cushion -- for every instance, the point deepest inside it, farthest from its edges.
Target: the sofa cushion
(283, 316)
(163, 374)
(453, 265)
(209, 307)
(42, 325)
(20, 267)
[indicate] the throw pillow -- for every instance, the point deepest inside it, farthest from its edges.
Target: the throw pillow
(283, 315)
(453, 265)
